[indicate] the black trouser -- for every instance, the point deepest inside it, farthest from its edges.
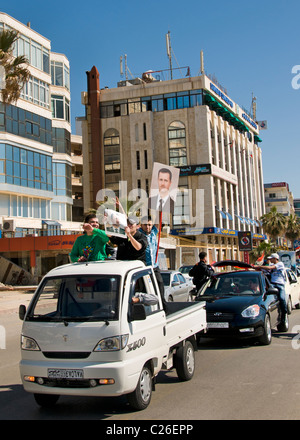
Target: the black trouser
(160, 286)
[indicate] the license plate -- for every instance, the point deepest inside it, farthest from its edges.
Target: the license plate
(59, 373)
(218, 325)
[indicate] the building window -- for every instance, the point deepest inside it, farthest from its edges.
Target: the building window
(138, 161)
(62, 174)
(60, 106)
(60, 74)
(177, 144)
(26, 124)
(25, 168)
(61, 140)
(112, 161)
(182, 206)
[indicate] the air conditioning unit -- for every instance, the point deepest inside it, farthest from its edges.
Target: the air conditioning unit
(8, 225)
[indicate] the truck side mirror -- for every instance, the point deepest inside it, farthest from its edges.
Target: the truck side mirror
(138, 312)
(22, 312)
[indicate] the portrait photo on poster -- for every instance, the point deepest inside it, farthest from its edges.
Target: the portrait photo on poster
(164, 186)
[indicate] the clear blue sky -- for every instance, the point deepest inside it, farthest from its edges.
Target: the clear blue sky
(251, 47)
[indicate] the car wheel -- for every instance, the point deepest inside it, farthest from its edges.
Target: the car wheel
(46, 400)
(184, 361)
(266, 338)
(170, 298)
(289, 306)
(140, 398)
(284, 325)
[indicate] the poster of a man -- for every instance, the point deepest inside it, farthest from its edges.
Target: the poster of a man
(164, 186)
(289, 259)
(114, 223)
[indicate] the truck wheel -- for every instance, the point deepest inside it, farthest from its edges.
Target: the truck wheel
(46, 400)
(141, 396)
(184, 361)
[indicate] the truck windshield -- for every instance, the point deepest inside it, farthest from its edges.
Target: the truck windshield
(77, 298)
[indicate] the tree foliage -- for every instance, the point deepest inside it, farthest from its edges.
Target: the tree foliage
(15, 68)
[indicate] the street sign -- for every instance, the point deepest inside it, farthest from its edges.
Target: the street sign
(245, 240)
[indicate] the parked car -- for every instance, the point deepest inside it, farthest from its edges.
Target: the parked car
(185, 271)
(177, 288)
(292, 288)
(242, 303)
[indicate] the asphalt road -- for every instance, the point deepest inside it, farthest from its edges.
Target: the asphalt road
(233, 381)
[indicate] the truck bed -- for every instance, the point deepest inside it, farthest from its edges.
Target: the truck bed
(184, 319)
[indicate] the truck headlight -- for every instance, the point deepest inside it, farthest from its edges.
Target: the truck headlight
(114, 343)
(251, 311)
(29, 344)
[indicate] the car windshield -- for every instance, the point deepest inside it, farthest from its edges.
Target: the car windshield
(166, 278)
(232, 284)
(77, 299)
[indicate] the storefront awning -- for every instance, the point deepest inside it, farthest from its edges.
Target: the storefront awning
(214, 104)
(257, 139)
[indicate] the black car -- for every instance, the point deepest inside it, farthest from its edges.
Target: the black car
(242, 303)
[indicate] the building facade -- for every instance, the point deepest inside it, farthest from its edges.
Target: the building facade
(193, 125)
(278, 194)
(35, 142)
(36, 163)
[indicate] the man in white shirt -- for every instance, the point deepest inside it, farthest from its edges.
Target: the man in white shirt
(276, 268)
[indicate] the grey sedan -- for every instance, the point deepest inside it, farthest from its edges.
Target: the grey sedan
(177, 288)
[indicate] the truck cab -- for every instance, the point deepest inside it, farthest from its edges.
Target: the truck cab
(83, 335)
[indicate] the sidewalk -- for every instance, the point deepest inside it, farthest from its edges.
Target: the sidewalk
(11, 299)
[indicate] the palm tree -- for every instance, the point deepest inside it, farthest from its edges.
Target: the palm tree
(15, 68)
(262, 248)
(274, 223)
(292, 228)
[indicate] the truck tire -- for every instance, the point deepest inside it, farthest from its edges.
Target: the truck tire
(184, 361)
(140, 398)
(46, 400)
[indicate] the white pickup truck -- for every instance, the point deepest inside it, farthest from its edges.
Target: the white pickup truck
(82, 335)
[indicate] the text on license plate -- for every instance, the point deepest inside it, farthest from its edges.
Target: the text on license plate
(218, 325)
(59, 373)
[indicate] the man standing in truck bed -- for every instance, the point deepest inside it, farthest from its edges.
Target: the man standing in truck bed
(91, 245)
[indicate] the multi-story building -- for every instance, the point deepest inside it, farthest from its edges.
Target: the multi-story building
(35, 141)
(278, 194)
(77, 170)
(35, 159)
(297, 207)
(188, 123)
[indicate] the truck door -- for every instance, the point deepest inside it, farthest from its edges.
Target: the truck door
(149, 335)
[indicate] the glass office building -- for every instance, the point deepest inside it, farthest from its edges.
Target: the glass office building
(35, 140)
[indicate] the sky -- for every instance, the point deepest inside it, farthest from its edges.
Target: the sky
(252, 48)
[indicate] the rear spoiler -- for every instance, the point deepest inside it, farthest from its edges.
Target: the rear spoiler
(233, 263)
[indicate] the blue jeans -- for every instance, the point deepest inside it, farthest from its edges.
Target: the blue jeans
(282, 296)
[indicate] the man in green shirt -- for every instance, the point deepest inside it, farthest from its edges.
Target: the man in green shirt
(91, 245)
